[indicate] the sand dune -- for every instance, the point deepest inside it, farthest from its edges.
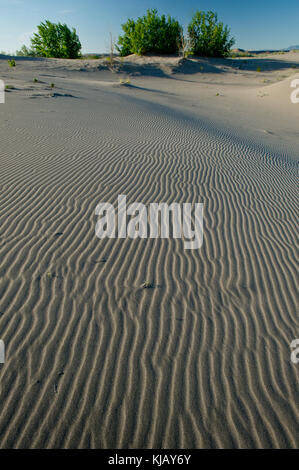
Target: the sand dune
(280, 92)
(94, 360)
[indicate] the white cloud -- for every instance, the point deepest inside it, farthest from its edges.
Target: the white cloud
(24, 38)
(66, 12)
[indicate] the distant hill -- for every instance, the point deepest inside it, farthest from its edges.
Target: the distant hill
(264, 51)
(291, 48)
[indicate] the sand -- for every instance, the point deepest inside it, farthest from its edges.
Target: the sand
(202, 358)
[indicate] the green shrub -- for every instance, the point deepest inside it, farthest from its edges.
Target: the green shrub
(150, 33)
(124, 81)
(148, 285)
(11, 63)
(188, 54)
(25, 52)
(233, 54)
(91, 57)
(56, 40)
(208, 37)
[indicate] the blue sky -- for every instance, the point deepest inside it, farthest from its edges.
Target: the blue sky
(256, 24)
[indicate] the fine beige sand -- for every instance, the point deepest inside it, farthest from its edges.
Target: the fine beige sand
(201, 359)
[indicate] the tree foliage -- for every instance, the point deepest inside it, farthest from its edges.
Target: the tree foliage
(150, 33)
(208, 37)
(25, 52)
(56, 40)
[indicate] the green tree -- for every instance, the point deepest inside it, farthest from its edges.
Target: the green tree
(25, 52)
(56, 40)
(208, 37)
(150, 33)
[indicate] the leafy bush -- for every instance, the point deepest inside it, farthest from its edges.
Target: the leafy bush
(208, 37)
(150, 33)
(56, 40)
(25, 52)
(233, 54)
(91, 56)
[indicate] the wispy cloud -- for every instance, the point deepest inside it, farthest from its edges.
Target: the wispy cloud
(11, 2)
(66, 12)
(25, 37)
